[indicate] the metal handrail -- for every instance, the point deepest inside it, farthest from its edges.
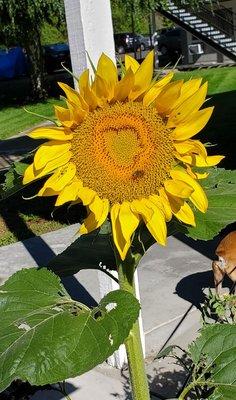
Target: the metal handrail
(214, 19)
(221, 7)
(208, 37)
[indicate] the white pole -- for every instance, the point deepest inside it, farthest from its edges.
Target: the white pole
(89, 26)
(90, 31)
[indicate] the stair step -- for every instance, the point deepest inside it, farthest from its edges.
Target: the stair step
(214, 33)
(181, 10)
(210, 30)
(191, 18)
(172, 8)
(184, 14)
(196, 21)
(221, 36)
(203, 25)
(226, 40)
(232, 44)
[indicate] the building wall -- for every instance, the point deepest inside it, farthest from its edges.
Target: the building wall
(232, 5)
(210, 54)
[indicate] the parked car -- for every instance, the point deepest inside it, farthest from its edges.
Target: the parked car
(170, 42)
(125, 42)
(55, 55)
(145, 42)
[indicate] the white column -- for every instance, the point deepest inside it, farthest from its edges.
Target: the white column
(89, 26)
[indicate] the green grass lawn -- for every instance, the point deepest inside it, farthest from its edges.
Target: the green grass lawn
(15, 119)
(220, 79)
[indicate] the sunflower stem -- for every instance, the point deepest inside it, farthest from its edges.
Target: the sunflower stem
(133, 345)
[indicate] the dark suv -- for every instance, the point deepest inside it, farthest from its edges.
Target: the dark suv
(55, 55)
(170, 42)
(125, 42)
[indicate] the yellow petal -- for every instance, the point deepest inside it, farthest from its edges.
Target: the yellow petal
(124, 223)
(188, 89)
(83, 82)
(182, 210)
(193, 125)
(117, 235)
(91, 99)
(191, 146)
(128, 221)
(162, 201)
(77, 114)
(197, 175)
(209, 161)
(156, 89)
(124, 86)
(60, 178)
(178, 188)
(49, 151)
(31, 173)
(100, 88)
(86, 195)
(186, 215)
(186, 159)
(198, 197)
(153, 217)
(183, 147)
(157, 224)
(143, 77)
(168, 96)
(107, 70)
(73, 96)
(190, 105)
(50, 133)
(48, 192)
(86, 91)
(140, 207)
(62, 114)
(166, 79)
(131, 63)
(69, 193)
(99, 211)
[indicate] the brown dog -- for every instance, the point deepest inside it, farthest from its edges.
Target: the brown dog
(226, 252)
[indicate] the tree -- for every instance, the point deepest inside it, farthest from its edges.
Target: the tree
(20, 24)
(138, 11)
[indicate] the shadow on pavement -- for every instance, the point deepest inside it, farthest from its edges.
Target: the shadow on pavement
(42, 253)
(54, 394)
(18, 145)
(23, 390)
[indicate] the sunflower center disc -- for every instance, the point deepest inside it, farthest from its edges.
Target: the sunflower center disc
(123, 152)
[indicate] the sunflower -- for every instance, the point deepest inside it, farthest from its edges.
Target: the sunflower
(124, 149)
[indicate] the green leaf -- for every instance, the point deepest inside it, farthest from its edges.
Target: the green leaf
(91, 251)
(46, 337)
(220, 189)
(13, 180)
(215, 353)
(167, 351)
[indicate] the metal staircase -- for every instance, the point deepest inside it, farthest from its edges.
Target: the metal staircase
(214, 27)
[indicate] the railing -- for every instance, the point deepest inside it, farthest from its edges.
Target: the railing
(219, 17)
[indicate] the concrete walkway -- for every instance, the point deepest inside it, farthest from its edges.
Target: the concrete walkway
(14, 148)
(172, 281)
